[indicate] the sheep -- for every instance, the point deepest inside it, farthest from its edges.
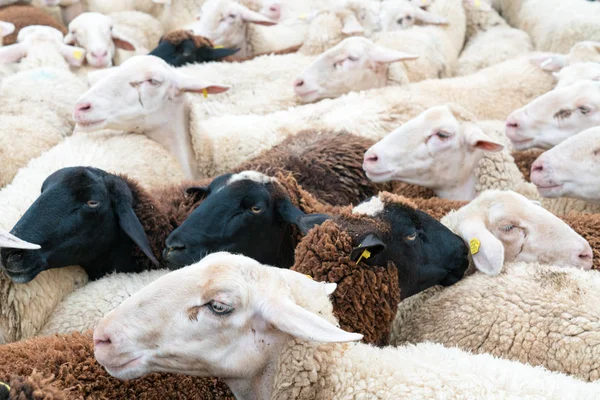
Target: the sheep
(555, 116)
(36, 103)
(307, 356)
(153, 88)
(25, 308)
(6, 28)
(100, 35)
(490, 40)
(22, 16)
(570, 169)
(574, 73)
(444, 149)
(182, 47)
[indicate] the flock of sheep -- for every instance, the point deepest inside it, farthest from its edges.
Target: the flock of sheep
(285, 199)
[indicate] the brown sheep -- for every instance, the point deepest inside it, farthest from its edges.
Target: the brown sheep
(26, 15)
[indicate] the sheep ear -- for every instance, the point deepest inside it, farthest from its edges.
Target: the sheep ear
(6, 28)
(69, 39)
(288, 317)
(13, 53)
(122, 41)
(479, 140)
(187, 83)
(73, 55)
(256, 18)
(197, 191)
(306, 222)
(429, 18)
(384, 55)
(370, 246)
(551, 62)
(12, 242)
(352, 26)
(130, 224)
(487, 251)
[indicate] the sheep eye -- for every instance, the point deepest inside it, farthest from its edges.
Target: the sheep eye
(507, 228)
(412, 237)
(93, 203)
(256, 209)
(443, 135)
(351, 58)
(219, 308)
(597, 152)
(585, 110)
(154, 82)
(399, 22)
(232, 16)
(408, 17)
(562, 114)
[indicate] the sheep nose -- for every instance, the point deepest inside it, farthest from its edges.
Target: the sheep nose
(275, 9)
(299, 83)
(586, 257)
(101, 339)
(512, 123)
(537, 166)
(171, 249)
(99, 54)
(82, 108)
(370, 158)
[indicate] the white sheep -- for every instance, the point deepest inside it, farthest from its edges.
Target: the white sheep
(576, 72)
(6, 28)
(444, 149)
(25, 308)
(100, 35)
(279, 340)
(490, 40)
(571, 169)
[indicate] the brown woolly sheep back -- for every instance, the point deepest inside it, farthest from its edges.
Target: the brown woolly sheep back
(26, 15)
(588, 226)
(524, 160)
(328, 164)
(178, 36)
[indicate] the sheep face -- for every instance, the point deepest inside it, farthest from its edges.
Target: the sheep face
(354, 64)
(246, 213)
(570, 169)
(83, 216)
(424, 251)
(136, 95)
(225, 22)
(503, 226)
(98, 35)
(434, 150)
(181, 47)
(226, 316)
(555, 116)
(399, 15)
(577, 72)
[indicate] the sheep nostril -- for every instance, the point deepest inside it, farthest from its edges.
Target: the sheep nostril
(83, 107)
(537, 167)
(587, 255)
(512, 124)
(371, 158)
(299, 82)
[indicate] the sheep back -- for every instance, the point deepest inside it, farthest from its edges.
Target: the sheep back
(26, 15)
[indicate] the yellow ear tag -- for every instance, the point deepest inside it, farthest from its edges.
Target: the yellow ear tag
(205, 93)
(477, 3)
(474, 244)
(302, 16)
(365, 254)
(5, 385)
(218, 47)
(78, 54)
(309, 277)
(424, 1)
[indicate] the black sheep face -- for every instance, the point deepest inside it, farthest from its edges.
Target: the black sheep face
(83, 216)
(425, 252)
(245, 213)
(186, 52)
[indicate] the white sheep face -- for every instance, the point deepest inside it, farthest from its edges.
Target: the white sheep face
(136, 95)
(577, 72)
(226, 316)
(100, 37)
(571, 169)
(555, 116)
(354, 64)
(433, 150)
(503, 226)
(225, 22)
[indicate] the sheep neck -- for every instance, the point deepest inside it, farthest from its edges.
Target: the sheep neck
(173, 133)
(462, 191)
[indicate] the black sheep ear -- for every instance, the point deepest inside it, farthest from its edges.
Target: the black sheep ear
(188, 47)
(211, 54)
(218, 54)
(370, 246)
(122, 200)
(4, 391)
(293, 215)
(307, 222)
(194, 190)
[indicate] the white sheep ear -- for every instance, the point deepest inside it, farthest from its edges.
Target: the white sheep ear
(384, 55)
(12, 242)
(352, 26)
(13, 53)
(187, 83)
(430, 18)
(73, 55)
(122, 41)
(6, 28)
(487, 251)
(256, 18)
(288, 317)
(549, 61)
(477, 139)
(330, 288)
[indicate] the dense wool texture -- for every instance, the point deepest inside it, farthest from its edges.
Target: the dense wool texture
(326, 164)
(26, 15)
(550, 317)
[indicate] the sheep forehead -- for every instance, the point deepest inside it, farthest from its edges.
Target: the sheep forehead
(495, 204)
(371, 208)
(586, 140)
(254, 176)
(216, 8)
(39, 32)
(355, 46)
(90, 19)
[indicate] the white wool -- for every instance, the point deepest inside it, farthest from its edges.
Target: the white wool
(251, 176)
(372, 208)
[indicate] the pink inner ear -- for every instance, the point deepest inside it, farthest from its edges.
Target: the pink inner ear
(264, 23)
(489, 146)
(217, 89)
(122, 44)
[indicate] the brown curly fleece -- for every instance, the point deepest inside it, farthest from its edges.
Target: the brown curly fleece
(328, 164)
(588, 226)
(178, 36)
(26, 15)
(68, 365)
(524, 160)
